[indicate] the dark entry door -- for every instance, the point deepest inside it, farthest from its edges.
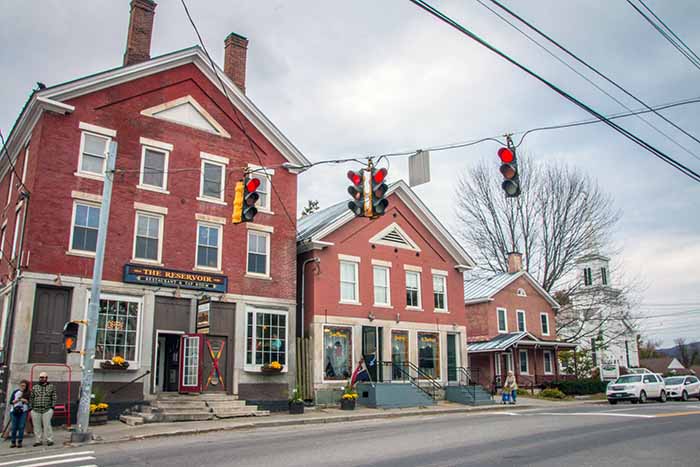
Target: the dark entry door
(51, 312)
(451, 358)
(372, 350)
(214, 363)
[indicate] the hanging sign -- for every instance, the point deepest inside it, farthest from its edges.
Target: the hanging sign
(159, 277)
(203, 310)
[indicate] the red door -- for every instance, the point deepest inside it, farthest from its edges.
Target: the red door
(190, 368)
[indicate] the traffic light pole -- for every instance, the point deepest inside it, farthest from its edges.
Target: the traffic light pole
(83, 435)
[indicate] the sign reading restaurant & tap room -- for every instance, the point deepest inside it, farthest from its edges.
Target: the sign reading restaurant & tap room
(159, 277)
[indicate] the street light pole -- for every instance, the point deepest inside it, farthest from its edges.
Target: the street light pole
(82, 435)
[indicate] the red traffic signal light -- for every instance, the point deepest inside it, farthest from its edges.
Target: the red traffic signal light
(252, 184)
(250, 197)
(509, 170)
(379, 189)
(356, 191)
(507, 156)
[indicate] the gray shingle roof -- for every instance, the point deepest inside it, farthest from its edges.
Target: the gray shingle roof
(309, 225)
(486, 288)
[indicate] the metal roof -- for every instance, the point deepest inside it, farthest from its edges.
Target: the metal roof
(309, 225)
(487, 288)
(504, 341)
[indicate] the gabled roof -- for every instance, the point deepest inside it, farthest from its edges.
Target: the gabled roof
(312, 229)
(483, 290)
(53, 97)
(504, 341)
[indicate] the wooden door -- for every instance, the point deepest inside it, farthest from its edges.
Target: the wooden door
(214, 363)
(190, 358)
(51, 312)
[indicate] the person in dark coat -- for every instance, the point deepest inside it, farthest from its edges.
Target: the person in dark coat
(19, 406)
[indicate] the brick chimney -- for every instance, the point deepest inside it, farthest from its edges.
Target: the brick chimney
(515, 262)
(138, 42)
(235, 56)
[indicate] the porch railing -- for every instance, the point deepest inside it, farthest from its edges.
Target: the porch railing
(408, 372)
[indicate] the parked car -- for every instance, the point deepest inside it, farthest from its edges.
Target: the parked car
(637, 388)
(638, 371)
(682, 387)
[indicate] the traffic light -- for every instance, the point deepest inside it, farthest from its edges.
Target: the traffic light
(356, 191)
(509, 169)
(379, 189)
(70, 336)
(244, 199)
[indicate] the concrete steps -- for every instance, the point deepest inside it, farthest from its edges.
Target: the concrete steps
(392, 395)
(471, 395)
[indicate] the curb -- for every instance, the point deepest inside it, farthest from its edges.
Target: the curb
(308, 421)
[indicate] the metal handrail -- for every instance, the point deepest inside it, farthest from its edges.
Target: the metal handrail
(423, 376)
(148, 372)
(407, 377)
(471, 379)
(414, 375)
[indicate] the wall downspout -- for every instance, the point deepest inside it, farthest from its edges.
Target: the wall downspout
(303, 292)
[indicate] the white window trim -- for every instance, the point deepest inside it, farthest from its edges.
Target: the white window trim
(155, 148)
(210, 219)
(267, 236)
(527, 362)
(15, 238)
(3, 233)
(379, 262)
(71, 250)
(498, 321)
(89, 197)
(133, 364)
(92, 175)
(548, 324)
(211, 199)
(9, 190)
(415, 270)
(26, 162)
(551, 362)
(266, 173)
(388, 286)
(260, 227)
(444, 281)
(219, 247)
(351, 349)
(356, 266)
(161, 222)
(255, 310)
(354, 259)
(153, 112)
(150, 208)
(517, 314)
(98, 130)
(521, 292)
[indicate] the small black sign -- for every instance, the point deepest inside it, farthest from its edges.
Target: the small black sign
(159, 277)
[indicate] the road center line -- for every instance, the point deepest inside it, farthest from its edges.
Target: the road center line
(678, 414)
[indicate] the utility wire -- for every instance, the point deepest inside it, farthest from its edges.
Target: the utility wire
(687, 52)
(654, 151)
(591, 82)
(12, 166)
(590, 67)
(687, 47)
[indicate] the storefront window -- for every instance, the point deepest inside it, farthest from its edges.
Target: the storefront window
(266, 337)
(399, 354)
(337, 358)
(117, 329)
(429, 353)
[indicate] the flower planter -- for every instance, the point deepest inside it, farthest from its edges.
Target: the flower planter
(347, 404)
(98, 418)
(109, 366)
(296, 407)
(270, 371)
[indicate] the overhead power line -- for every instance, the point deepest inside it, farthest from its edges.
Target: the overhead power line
(654, 151)
(681, 46)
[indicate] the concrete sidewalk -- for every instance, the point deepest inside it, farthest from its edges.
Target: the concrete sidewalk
(115, 431)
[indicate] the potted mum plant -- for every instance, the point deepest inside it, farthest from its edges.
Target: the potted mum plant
(349, 397)
(98, 409)
(296, 403)
(271, 368)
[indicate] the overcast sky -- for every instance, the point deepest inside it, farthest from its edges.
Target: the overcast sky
(363, 77)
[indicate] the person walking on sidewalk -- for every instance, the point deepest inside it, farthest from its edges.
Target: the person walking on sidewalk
(19, 406)
(511, 385)
(43, 400)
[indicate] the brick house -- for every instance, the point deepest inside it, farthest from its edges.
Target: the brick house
(389, 290)
(512, 326)
(181, 284)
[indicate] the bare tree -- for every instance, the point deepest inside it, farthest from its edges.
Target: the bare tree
(649, 348)
(560, 217)
(687, 354)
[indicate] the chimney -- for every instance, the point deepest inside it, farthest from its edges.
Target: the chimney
(235, 56)
(138, 42)
(515, 262)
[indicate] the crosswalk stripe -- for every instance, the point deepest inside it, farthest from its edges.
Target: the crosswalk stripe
(62, 461)
(55, 456)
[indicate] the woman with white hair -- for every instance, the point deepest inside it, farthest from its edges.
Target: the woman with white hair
(511, 385)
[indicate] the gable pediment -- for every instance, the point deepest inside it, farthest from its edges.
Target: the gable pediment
(394, 236)
(188, 112)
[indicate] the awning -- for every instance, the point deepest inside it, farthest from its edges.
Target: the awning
(507, 340)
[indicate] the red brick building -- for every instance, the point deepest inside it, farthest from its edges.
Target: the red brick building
(388, 289)
(512, 327)
(174, 264)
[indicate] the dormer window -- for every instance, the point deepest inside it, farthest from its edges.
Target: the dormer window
(587, 277)
(521, 292)
(604, 275)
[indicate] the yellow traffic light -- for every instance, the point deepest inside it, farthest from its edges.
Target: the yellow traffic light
(237, 215)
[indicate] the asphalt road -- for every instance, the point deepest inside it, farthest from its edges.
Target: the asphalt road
(623, 435)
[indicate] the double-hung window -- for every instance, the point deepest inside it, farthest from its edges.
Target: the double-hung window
(263, 191)
(213, 178)
(502, 319)
(93, 154)
(522, 326)
(524, 363)
(547, 362)
(544, 319)
(15, 238)
(413, 289)
(382, 296)
(604, 276)
(440, 292)
(208, 246)
(258, 253)
(349, 286)
(154, 168)
(118, 328)
(266, 337)
(587, 276)
(148, 237)
(86, 220)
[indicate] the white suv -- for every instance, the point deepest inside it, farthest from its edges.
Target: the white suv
(637, 388)
(682, 387)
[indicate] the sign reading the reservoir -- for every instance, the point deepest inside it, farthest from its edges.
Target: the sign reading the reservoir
(159, 277)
